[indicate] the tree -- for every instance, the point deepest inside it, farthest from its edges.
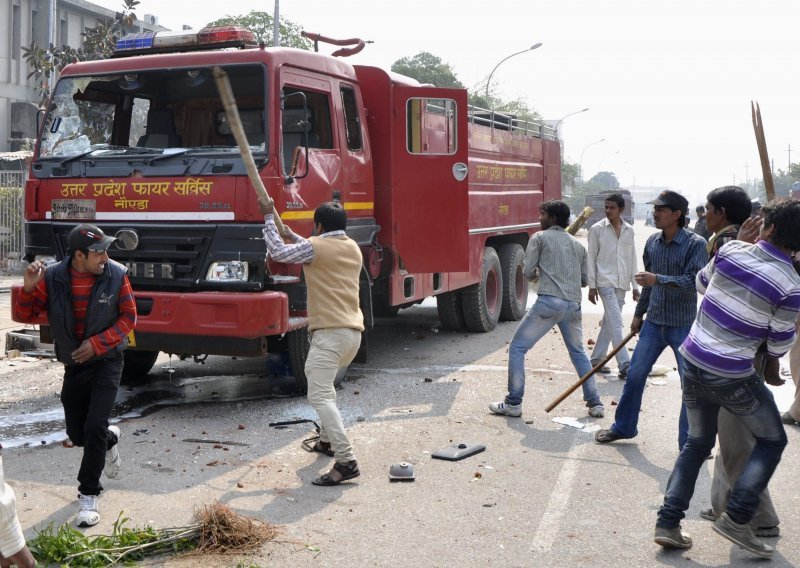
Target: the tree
(785, 178)
(602, 181)
(428, 69)
(261, 24)
(570, 190)
(98, 43)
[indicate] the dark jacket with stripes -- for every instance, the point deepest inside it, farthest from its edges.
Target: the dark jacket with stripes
(101, 313)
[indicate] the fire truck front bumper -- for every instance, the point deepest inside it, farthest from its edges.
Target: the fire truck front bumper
(214, 323)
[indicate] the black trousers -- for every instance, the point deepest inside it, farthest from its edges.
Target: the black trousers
(88, 395)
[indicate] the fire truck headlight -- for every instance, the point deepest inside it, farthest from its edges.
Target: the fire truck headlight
(230, 270)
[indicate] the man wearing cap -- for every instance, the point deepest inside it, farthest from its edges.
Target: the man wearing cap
(91, 310)
(672, 259)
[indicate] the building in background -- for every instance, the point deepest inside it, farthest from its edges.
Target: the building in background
(44, 22)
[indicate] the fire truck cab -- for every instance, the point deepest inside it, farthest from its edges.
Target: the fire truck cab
(440, 197)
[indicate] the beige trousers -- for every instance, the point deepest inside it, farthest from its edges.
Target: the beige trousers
(735, 446)
(794, 367)
(331, 350)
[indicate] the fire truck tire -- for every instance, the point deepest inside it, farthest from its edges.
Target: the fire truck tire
(515, 285)
(482, 302)
(299, 342)
(137, 365)
(451, 314)
(363, 350)
(381, 308)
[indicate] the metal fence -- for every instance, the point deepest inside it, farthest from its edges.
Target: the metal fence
(12, 236)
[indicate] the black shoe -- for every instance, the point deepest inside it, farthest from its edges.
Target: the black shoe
(607, 436)
(605, 369)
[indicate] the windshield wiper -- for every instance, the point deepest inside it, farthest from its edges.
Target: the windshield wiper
(166, 155)
(66, 161)
(105, 149)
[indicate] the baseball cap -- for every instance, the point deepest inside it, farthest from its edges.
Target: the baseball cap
(673, 200)
(89, 237)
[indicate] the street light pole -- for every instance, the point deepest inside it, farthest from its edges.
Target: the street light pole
(580, 165)
(531, 48)
(567, 115)
(600, 163)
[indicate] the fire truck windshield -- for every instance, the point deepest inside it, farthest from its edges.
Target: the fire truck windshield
(155, 114)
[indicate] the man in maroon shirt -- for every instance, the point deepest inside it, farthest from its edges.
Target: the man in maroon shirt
(91, 310)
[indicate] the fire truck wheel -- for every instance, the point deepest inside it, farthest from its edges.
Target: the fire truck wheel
(515, 285)
(451, 314)
(481, 302)
(299, 342)
(137, 365)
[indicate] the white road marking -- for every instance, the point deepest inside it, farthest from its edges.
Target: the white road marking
(548, 529)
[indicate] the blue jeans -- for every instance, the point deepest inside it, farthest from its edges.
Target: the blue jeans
(653, 339)
(748, 399)
(611, 327)
(547, 312)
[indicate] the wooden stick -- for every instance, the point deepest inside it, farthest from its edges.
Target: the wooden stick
(585, 378)
(232, 113)
(766, 171)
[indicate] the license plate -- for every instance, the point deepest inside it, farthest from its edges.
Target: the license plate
(73, 208)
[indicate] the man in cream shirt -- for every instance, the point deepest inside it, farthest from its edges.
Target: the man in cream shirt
(332, 266)
(612, 266)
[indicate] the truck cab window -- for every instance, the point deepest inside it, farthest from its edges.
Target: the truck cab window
(352, 121)
(166, 111)
(305, 121)
(431, 126)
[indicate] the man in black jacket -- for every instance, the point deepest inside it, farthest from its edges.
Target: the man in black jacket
(91, 311)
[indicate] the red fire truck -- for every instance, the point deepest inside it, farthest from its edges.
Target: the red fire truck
(441, 197)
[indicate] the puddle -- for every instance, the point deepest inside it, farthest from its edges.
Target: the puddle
(162, 390)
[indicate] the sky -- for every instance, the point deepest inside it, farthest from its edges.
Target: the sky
(668, 84)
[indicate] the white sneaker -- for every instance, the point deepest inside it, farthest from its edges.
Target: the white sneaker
(113, 461)
(87, 511)
(513, 410)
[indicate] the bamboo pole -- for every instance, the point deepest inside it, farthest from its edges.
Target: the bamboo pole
(761, 142)
(235, 122)
(580, 220)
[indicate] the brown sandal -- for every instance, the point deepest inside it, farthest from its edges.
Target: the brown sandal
(322, 448)
(338, 473)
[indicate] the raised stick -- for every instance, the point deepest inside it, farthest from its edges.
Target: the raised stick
(766, 172)
(232, 113)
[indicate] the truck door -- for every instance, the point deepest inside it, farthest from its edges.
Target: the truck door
(430, 194)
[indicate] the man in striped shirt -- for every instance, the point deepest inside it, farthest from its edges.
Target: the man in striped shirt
(752, 295)
(91, 310)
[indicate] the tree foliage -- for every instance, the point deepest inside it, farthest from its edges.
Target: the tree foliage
(602, 181)
(785, 178)
(98, 43)
(261, 24)
(569, 181)
(428, 69)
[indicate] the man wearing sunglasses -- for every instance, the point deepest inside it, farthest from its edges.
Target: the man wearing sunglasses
(91, 311)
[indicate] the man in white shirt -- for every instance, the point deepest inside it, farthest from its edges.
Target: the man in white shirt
(612, 266)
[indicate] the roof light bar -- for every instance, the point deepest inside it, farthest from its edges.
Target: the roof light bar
(165, 41)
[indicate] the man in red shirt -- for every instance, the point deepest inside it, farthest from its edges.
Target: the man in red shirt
(91, 310)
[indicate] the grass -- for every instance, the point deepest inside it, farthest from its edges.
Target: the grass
(217, 530)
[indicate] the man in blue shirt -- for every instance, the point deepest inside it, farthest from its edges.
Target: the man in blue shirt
(672, 259)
